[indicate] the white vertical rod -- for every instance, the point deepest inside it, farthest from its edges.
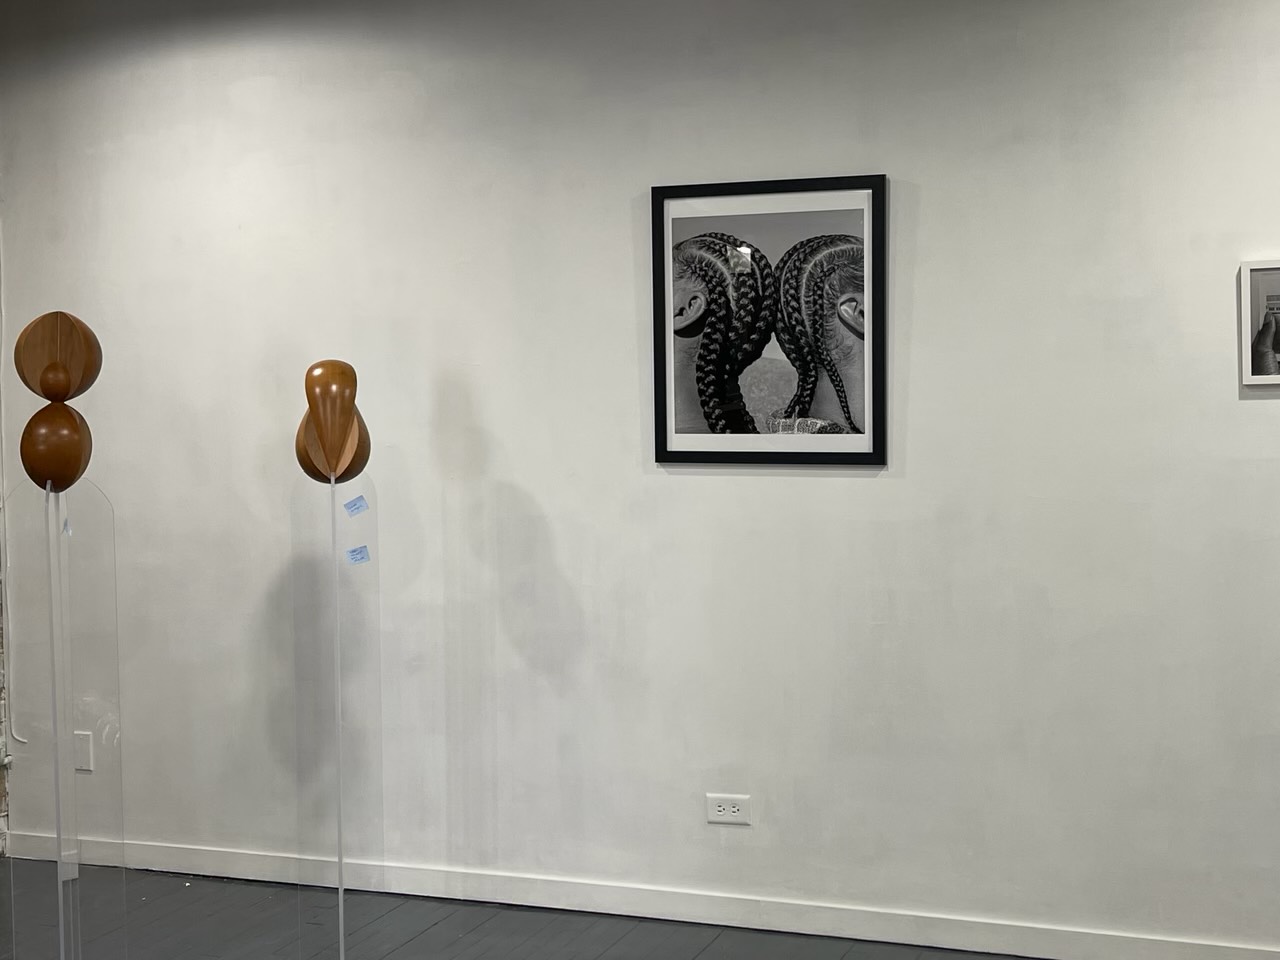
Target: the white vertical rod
(337, 705)
(66, 682)
(50, 538)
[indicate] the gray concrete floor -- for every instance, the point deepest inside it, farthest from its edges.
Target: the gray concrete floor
(141, 915)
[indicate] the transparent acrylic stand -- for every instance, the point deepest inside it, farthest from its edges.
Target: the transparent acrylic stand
(338, 707)
(66, 864)
(68, 895)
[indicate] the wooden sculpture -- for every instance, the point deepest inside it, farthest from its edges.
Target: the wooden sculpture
(58, 357)
(332, 442)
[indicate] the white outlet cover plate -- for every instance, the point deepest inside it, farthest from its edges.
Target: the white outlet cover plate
(731, 808)
(84, 751)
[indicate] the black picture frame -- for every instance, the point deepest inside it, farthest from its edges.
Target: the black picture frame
(876, 187)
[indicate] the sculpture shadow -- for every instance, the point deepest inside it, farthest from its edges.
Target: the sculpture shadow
(302, 723)
(513, 633)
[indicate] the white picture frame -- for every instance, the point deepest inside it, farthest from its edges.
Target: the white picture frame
(1259, 295)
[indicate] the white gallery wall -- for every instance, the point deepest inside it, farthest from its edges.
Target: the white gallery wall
(1015, 692)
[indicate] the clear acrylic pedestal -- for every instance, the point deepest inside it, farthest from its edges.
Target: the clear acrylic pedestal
(76, 886)
(65, 869)
(338, 699)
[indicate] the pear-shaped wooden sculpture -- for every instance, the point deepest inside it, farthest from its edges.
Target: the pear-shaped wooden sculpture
(58, 358)
(332, 441)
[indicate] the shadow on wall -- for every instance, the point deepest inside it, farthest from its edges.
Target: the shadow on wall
(298, 686)
(506, 530)
(513, 635)
(511, 647)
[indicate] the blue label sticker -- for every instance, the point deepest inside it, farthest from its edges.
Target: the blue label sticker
(358, 555)
(357, 506)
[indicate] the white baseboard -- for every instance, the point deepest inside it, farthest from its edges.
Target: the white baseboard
(983, 935)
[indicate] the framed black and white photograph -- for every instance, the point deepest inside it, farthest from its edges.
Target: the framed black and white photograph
(1259, 317)
(769, 321)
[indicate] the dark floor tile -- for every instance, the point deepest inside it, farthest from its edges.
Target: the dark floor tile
(590, 943)
(502, 935)
(662, 940)
(256, 932)
(555, 940)
(455, 925)
(760, 945)
(407, 931)
(866, 950)
(6, 909)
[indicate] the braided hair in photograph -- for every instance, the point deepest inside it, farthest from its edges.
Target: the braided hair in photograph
(741, 313)
(812, 276)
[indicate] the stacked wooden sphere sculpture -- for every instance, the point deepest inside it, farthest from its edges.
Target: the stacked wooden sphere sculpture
(58, 358)
(332, 442)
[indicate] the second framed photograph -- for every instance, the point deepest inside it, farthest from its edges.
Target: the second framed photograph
(769, 321)
(1259, 317)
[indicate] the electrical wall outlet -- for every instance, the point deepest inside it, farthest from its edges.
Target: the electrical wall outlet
(733, 808)
(84, 751)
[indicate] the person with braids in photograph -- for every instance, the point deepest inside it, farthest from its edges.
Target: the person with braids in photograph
(822, 331)
(724, 309)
